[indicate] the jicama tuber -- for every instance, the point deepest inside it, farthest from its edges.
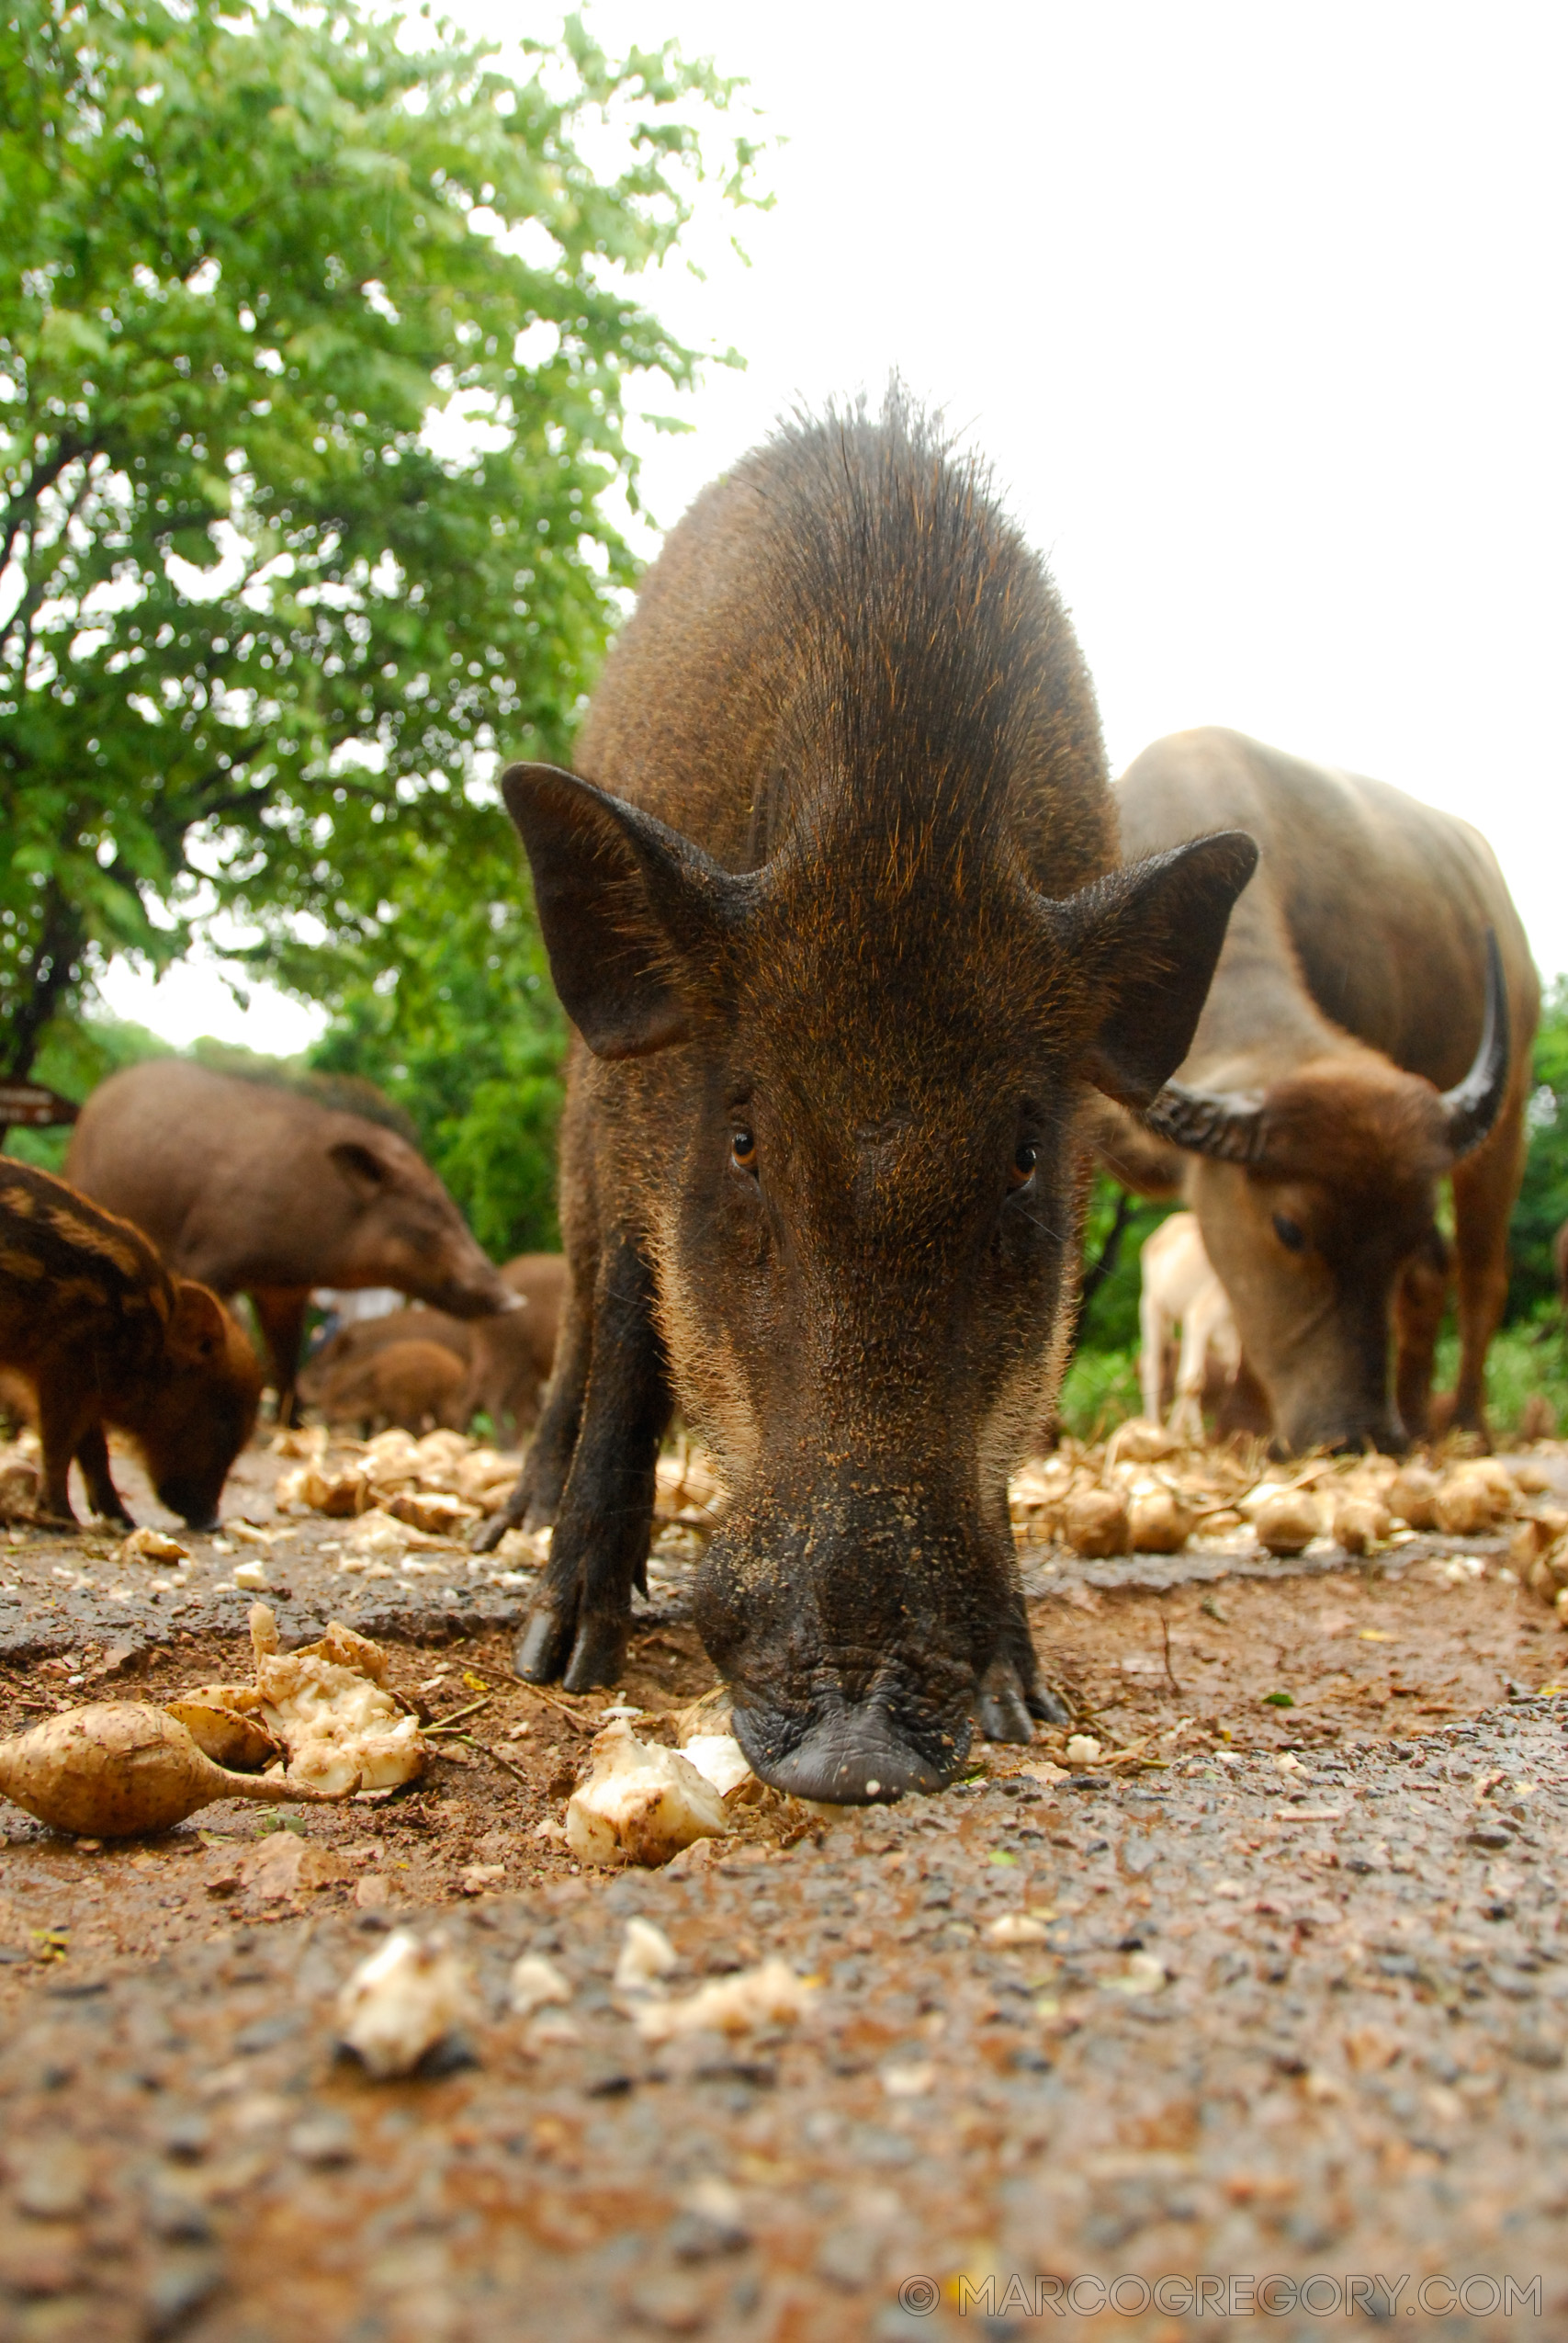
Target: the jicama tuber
(117, 1769)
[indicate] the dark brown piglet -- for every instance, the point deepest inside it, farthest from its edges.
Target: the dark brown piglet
(93, 1320)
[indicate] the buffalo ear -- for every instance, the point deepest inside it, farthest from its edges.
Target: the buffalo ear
(359, 1167)
(1151, 934)
(198, 1332)
(632, 913)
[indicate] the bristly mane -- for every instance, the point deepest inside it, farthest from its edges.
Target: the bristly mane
(937, 674)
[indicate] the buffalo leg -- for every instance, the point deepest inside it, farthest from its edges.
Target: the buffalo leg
(92, 1455)
(1419, 1300)
(280, 1313)
(1485, 1184)
(581, 1615)
(536, 1501)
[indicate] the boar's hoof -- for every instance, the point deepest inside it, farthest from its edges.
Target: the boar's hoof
(489, 1535)
(852, 1757)
(597, 1651)
(1001, 1710)
(1047, 1708)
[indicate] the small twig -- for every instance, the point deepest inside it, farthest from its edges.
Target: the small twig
(496, 1759)
(584, 1724)
(445, 1723)
(1165, 1630)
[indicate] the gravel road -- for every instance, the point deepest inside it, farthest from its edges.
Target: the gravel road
(1279, 1993)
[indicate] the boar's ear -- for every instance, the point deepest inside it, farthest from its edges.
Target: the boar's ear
(359, 1167)
(633, 915)
(1150, 935)
(196, 1329)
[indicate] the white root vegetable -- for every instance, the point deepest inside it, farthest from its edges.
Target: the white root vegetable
(226, 1734)
(535, 1982)
(641, 1803)
(117, 1769)
(769, 1995)
(1096, 1522)
(402, 2001)
(1288, 1520)
(329, 1707)
(719, 1758)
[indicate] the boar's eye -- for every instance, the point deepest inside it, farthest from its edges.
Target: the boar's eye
(1022, 1170)
(743, 1149)
(1291, 1233)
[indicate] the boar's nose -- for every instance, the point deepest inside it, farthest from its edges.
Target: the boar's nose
(851, 1757)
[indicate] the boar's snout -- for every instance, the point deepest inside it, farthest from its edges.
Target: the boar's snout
(854, 1626)
(476, 1291)
(196, 1502)
(847, 1757)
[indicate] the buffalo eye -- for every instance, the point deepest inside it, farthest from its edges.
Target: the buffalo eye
(743, 1149)
(1021, 1171)
(1291, 1233)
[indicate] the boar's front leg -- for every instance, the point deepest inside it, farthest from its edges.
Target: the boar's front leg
(64, 1421)
(536, 1500)
(92, 1455)
(581, 1615)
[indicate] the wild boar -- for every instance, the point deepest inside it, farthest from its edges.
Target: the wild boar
(511, 1357)
(835, 907)
(254, 1188)
(353, 1345)
(508, 1357)
(93, 1320)
(417, 1386)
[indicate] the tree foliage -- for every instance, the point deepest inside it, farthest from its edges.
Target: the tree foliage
(261, 627)
(1542, 1208)
(464, 1034)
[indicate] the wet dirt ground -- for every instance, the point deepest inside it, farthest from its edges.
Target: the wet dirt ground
(1280, 1992)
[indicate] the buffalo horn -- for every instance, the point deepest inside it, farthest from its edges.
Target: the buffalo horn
(1227, 1124)
(1473, 1107)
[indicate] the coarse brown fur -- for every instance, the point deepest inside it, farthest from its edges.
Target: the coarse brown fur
(94, 1323)
(255, 1188)
(508, 1357)
(844, 952)
(1348, 997)
(507, 1360)
(416, 1385)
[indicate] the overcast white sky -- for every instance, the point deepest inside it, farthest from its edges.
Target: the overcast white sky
(1258, 312)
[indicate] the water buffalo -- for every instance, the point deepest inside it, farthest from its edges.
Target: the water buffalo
(1179, 1289)
(1363, 1040)
(836, 913)
(255, 1188)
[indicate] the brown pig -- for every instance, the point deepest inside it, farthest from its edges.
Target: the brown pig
(417, 1386)
(510, 1358)
(255, 1188)
(353, 1345)
(91, 1318)
(836, 908)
